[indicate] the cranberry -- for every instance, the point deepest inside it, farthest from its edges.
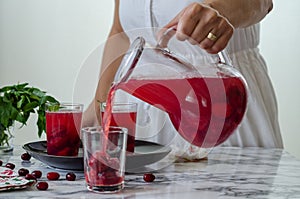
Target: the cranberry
(149, 177)
(10, 166)
(110, 177)
(42, 185)
(37, 173)
(23, 172)
(53, 176)
(25, 156)
(1, 163)
(29, 177)
(71, 176)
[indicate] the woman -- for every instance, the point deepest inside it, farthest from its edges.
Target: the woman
(211, 25)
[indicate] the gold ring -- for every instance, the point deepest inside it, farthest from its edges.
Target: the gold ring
(212, 37)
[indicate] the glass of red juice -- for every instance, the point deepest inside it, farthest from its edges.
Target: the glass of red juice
(123, 115)
(63, 129)
(104, 151)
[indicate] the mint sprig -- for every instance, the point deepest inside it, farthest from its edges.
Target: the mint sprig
(18, 102)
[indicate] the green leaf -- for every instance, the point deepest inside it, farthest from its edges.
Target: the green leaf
(48, 98)
(7, 98)
(34, 97)
(20, 86)
(20, 102)
(13, 113)
(41, 123)
(38, 92)
(30, 106)
(5, 114)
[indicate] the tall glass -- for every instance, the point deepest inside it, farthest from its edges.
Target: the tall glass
(104, 158)
(63, 129)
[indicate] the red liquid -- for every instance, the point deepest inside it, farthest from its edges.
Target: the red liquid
(103, 170)
(205, 111)
(127, 120)
(63, 130)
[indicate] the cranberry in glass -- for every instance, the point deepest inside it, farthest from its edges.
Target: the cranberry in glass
(36, 173)
(53, 176)
(149, 177)
(42, 185)
(25, 156)
(23, 172)
(29, 177)
(10, 165)
(71, 176)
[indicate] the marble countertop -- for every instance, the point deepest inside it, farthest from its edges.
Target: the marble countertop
(227, 173)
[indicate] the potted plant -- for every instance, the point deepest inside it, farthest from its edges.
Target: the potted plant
(17, 103)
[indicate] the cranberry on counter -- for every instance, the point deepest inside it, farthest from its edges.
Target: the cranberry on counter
(29, 177)
(10, 166)
(42, 185)
(53, 175)
(71, 176)
(25, 156)
(149, 177)
(23, 172)
(37, 173)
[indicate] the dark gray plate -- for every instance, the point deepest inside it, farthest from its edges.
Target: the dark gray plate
(145, 153)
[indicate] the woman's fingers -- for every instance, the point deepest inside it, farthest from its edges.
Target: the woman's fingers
(203, 26)
(218, 37)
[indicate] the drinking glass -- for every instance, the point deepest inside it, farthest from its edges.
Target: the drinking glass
(63, 129)
(104, 158)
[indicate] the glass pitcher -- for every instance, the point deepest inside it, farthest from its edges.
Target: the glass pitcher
(205, 101)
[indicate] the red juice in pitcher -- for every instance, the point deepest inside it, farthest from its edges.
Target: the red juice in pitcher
(204, 110)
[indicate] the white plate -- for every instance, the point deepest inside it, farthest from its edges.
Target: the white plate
(145, 153)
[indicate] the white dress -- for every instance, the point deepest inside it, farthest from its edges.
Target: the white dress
(259, 127)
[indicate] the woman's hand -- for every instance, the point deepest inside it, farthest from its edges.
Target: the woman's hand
(204, 26)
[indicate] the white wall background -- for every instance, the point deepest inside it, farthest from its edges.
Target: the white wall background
(280, 47)
(47, 43)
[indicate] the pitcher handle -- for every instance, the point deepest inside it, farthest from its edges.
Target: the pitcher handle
(169, 33)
